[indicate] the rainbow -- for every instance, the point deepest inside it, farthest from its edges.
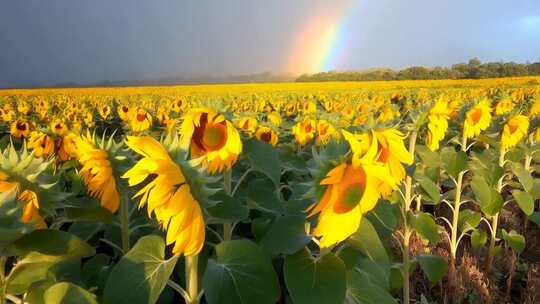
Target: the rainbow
(321, 40)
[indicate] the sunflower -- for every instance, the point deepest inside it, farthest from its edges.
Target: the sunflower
(41, 143)
(304, 131)
(21, 174)
(350, 191)
(104, 111)
(390, 152)
(267, 135)
(141, 120)
(534, 111)
(58, 127)
(325, 132)
(215, 143)
(168, 196)
(97, 172)
(477, 119)
(29, 200)
(438, 123)
(248, 124)
(20, 128)
(274, 118)
(66, 148)
(514, 130)
(504, 106)
(124, 112)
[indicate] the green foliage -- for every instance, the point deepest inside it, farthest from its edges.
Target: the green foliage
(241, 272)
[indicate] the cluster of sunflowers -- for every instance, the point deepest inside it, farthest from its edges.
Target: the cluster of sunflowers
(323, 179)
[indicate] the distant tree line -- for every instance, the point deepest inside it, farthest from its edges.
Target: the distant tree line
(475, 69)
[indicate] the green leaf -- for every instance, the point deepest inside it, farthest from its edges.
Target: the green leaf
(453, 162)
(535, 190)
(515, 240)
(241, 273)
(432, 189)
(366, 239)
(481, 190)
(228, 209)
(490, 201)
(32, 268)
(264, 158)
(524, 200)
(67, 293)
(468, 220)
(524, 176)
(434, 267)
(286, 235)
(312, 280)
(478, 238)
(261, 193)
(141, 275)
(535, 218)
(54, 243)
(428, 157)
(362, 290)
(425, 225)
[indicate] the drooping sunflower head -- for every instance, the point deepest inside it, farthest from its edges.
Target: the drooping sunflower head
(438, 117)
(173, 194)
(41, 143)
(24, 176)
(477, 119)
(212, 139)
(101, 162)
(515, 129)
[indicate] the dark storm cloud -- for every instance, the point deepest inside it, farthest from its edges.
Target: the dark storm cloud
(59, 41)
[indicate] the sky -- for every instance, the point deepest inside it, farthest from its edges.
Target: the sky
(78, 41)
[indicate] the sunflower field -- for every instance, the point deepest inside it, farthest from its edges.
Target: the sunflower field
(373, 192)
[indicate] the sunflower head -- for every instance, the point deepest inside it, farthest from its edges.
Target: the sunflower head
(515, 129)
(102, 161)
(27, 178)
(41, 143)
(141, 120)
(20, 128)
(477, 119)
(174, 191)
(212, 139)
(267, 135)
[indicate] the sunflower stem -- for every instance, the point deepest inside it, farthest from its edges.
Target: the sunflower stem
(192, 279)
(2, 279)
(406, 229)
(454, 238)
(124, 223)
(227, 226)
(495, 219)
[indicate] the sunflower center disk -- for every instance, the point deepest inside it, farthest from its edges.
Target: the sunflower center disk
(214, 137)
(350, 198)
